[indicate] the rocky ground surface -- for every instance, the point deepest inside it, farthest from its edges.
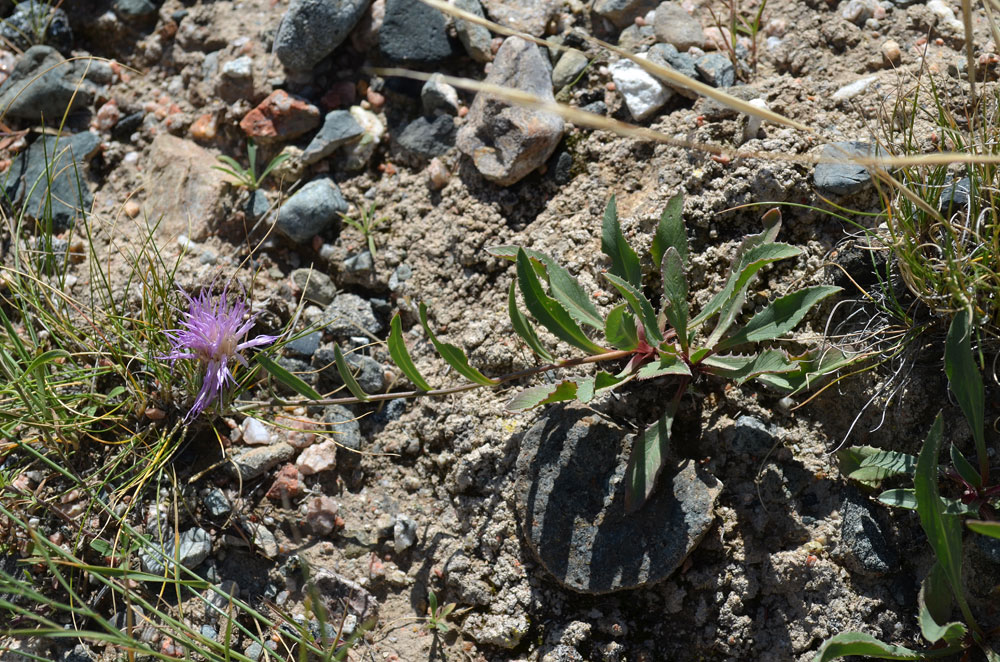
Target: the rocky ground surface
(435, 495)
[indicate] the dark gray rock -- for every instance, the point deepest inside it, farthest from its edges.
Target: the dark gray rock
(257, 205)
(426, 137)
(622, 13)
(254, 462)
(390, 411)
(311, 29)
(312, 210)
(583, 537)
(402, 274)
(359, 267)
(563, 170)
(505, 141)
(748, 437)
(716, 69)
(49, 179)
(131, 10)
(316, 285)
(673, 25)
(217, 601)
(596, 107)
(367, 371)
(475, 38)
(216, 503)
(714, 110)
(955, 196)
(844, 178)
(666, 55)
(122, 132)
(43, 84)
(412, 32)
(191, 549)
(35, 23)
(305, 346)
(339, 128)
(350, 315)
(636, 38)
(861, 535)
(345, 426)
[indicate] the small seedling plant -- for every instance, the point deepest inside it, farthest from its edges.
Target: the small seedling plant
(642, 341)
(367, 224)
(437, 616)
(247, 177)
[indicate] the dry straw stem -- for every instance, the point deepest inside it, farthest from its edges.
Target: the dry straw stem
(582, 118)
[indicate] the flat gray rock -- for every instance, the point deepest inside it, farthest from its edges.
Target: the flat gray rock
(531, 16)
(256, 461)
(674, 26)
(570, 497)
(311, 210)
(868, 552)
(312, 29)
(475, 38)
(192, 548)
(339, 128)
(413, 32)
(843, 178)
(666, 55)
(622, 13)
(505, 141)
(43, 84)
(49, 178)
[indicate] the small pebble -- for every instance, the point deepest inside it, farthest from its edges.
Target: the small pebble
(891, 52)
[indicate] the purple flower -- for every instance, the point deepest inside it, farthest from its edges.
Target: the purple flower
(211, 333)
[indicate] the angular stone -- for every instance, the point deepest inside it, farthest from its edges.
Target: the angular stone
(666, 55)
(280, 117)
(350, 315)
(622, 13)
(192, 548)
(183, 188)
(287, 484)
(50, 179)
(583, 537)
(413, 32)
(311, 210)
(311, 29)
(342, 422)
(438, 97)
(424, 138)
(644, 94)
(475, 38)
(321, 513)
(338, 591)
(716, 69)
(868, 551)
(43, 85)
(317, 286)
(256, 461)
(505, 141)
(531, 16)
(318, 457)
(844, 178)
(674, 26)
(339, 128)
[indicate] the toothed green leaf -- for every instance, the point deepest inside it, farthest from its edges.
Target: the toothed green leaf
(646, 461)
(675, 294)
(620, 329)
(859, 643)
(641, 306)
(624, 262)
(667, 364)
(543, 395)
(779, 317)
(549, 312)
(742, 368)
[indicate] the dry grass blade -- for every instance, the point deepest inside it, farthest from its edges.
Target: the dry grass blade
(654, 69)
(970, 48)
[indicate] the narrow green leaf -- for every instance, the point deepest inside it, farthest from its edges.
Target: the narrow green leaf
(991, 529)
(670, 232)
(624, 262)
(543, 395)
(649, 454)
(779, 317)
(549, 312)
(401, 356)
(675, 294)
(899, 498)
(44, 359)
(965, 468)
(667, 364)
(934, 602)
(523, 327)
(814, 367)
(453, 355)
(641, 306)
(943, 530)
(347, 376)
(619, 329)
(285, 377)
(743, 368)
(859, 643)
(729, 300)
(965, 380)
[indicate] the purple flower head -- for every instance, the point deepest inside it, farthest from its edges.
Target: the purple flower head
(211, 333)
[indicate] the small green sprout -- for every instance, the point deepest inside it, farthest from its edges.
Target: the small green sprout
(247, 177)
(367, 224)
(437, 616)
